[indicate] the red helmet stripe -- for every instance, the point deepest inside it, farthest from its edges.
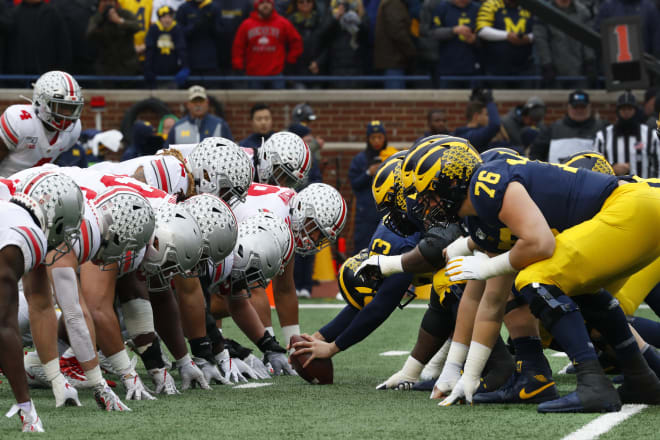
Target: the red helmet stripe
(34, 180)
(163, 175)
(85, 245)
(68, 79)
(127, 261)
(341, 216)
(306, 160)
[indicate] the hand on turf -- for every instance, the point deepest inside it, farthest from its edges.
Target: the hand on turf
(278, 363)
(467, 268)
(258, 367)
(135, 389)
(211, 371)
(107, 400)
(451, 373)
(315, 347)
(398, 381)
(65, 394)
(457, 395)
(191, 375)
(163, 381)
(228, 367)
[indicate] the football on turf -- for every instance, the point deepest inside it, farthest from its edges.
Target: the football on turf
(318, 372)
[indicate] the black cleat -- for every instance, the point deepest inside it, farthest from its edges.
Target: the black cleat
(640, 389)
(521, 388)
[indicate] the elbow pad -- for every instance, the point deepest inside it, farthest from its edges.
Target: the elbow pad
(436, 239)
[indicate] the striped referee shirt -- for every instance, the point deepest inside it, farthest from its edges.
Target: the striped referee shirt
(640, 151)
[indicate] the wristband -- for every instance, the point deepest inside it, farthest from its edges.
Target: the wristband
(458, 248)
(476, 360)
(457, 353)
(412, 367)
(390, 264)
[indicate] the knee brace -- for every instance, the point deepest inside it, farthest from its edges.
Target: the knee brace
(548, 303)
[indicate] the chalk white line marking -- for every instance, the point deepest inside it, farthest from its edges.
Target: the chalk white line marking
(253, 385)
(559, 355)
(604, 423)
(341, 306)
(395, 353)
(644, 306)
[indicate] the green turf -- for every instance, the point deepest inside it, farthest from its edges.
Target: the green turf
(290, 408)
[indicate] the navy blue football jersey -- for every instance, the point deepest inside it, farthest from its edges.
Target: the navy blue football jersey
(386, 242)
(565, 195)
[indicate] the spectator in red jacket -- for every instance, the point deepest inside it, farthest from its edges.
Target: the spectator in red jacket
(263, 43)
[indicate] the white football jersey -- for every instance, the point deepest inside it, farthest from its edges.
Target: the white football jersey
(219, 273)
(184, 149)
(6, 189)
(29, 143)
(166, 173)
(19, 229)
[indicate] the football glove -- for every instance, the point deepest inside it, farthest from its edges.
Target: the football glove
(65, 394)
(163, 381)
(107, 400)
(379, 266)
(405, 378)
(135, 389)
(478, 267)
(210, 371)
(229, 368)
(451, 373)
(30, 419)
(278, 363)
(433, 368)
(457, 395)
(191, 375)
(257, 366)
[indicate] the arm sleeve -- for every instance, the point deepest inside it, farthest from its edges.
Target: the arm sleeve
(491, 34)
(376, 312)
(486, 15)
(339, 323)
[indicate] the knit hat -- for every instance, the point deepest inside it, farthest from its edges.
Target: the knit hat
(375, 127)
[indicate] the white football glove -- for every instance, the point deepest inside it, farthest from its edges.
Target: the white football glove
(451, 373)
(278, 363)
(107, 400)
(405, 378)
(191, 375)
(457, 395)
(210, 371)
(467, 268)
(378, 266)
(258, 367)
(135, 389)
(229, 368)
(65, 394)
(30, 419)
(163, 381)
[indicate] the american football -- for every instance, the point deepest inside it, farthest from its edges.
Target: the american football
(318, 372)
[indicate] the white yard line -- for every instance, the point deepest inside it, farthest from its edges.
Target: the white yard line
(302, 305)
(253, 385)
(395, 353)
(604, 423)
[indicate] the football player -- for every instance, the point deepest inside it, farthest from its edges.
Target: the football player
(34, 134)
(529, 198)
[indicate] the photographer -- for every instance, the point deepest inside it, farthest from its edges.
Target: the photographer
(483, 121)
(111, 29)
(361, 172)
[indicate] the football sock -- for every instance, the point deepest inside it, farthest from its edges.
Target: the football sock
(652, 358)
(529, 351)
(570, 332)
(648, 329)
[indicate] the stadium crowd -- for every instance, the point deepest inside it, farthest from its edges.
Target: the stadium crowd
(391, 38)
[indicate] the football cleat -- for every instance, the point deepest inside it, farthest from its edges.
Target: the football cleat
(521, 388)
(30, 419)
(641, 388)
(107, 400)
(163, 381)
(34, 370)
(594, 393)
(65, 394)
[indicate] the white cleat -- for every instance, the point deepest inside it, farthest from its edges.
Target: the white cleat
(30, 419)
(34, 370)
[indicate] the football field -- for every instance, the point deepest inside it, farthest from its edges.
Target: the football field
(288, 407)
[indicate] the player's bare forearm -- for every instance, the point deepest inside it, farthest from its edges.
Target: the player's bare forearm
(490, 313)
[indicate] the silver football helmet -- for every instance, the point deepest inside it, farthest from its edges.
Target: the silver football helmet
(57, 203)
(282, 232)
(222, 168)
(318, 215)
(218, 225)
(257, 257)
(57, 99)
(284, 160)
(176, 246)
(127, 223)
